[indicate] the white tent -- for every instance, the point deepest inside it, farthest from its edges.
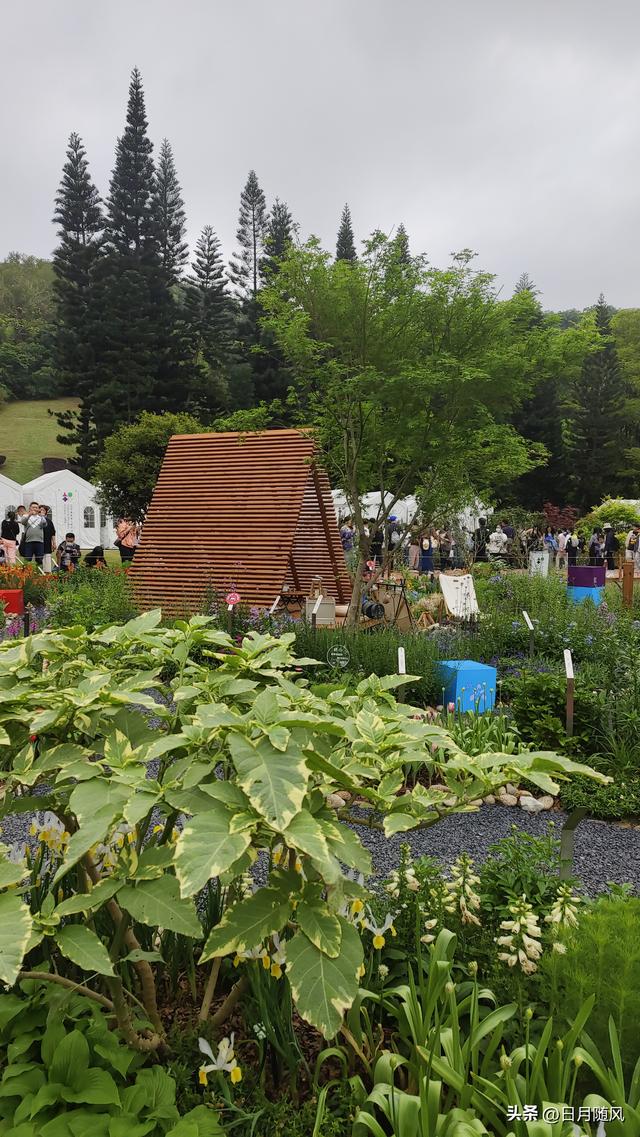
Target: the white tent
(74, 508)
(405, 510)
(10, 495)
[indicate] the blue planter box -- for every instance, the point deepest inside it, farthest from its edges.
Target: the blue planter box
(468, 685)
(578, 595)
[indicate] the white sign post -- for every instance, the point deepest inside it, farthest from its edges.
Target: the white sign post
(402, 670)
(568, 670)
(314, 613)
(527, 620)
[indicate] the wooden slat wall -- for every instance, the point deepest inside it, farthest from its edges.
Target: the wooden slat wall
(230, 511)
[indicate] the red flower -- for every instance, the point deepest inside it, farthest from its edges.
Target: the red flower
(33, 738)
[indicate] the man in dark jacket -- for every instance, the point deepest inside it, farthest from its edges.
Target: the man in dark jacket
(480, 540)
(611, 546)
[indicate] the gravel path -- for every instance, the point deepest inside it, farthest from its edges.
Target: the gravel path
(603, 852)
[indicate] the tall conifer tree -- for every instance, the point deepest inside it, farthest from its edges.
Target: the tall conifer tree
(79, 219)
(598, 422)
(210, 323)
(280, 231)
(170, 216)
(244, 269)
(402, 245)
(345, 244)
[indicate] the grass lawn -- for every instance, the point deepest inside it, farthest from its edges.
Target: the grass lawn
(28, 434)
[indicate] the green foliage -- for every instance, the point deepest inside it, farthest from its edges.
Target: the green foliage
(538, 704)
(90, 597)
(602, 959)
(128, 469)
(66, 1072)
(74, 715)
(26, 314)
(620, 514)
(614, 802)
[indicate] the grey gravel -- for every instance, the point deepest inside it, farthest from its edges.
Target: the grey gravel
(604, 852)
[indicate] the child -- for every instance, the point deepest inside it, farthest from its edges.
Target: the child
(68, 553)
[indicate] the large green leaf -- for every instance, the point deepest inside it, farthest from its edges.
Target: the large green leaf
(346, 845)
(15, 930)
(248, 923)
(96, 795)
(206, 847)
(198, 1122)
(307, 835)
(323, 989)
(89, 901)
(90, 833)
(83, 947)
(71, 1060)
(275, 781)
(158, 903)
(320, 925)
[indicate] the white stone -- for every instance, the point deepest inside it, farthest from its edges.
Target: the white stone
(547, 801)
(476, 801)
(511, 789)
(531, 805)
(489, 800)
(508, 799)
(335, 802)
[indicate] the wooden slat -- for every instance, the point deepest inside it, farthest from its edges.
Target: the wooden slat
(249, 512)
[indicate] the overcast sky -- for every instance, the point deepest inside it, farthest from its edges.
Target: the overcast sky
(511, 127)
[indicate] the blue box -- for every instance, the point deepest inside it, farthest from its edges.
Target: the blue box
(468, 685)
(579, 595)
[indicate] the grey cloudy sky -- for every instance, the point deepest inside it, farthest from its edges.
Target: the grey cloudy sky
(508, 126)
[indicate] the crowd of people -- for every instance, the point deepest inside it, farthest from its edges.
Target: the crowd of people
(31, 535)
(427, 549)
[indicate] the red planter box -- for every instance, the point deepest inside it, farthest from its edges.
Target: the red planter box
(13, 600)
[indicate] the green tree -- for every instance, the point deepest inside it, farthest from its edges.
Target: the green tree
(170, 216)
(345, 243)
(402, 244)
(598, 427)
(210, 321)
(524, 283)
(407, 373)
(80, 226)
(128, 468)
(27, 310)
(244, 269)
(279, 233)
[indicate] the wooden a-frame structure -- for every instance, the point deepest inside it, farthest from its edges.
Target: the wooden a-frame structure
(244, 512)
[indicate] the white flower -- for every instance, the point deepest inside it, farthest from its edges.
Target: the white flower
(383, 971)
(224, 1060)
(523, 939)
(428, 938)
(379, 931)
(565, 908)
(278, 957)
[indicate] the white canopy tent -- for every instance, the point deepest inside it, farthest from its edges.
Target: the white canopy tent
(10, 495)
(405, 509)
(74, 508)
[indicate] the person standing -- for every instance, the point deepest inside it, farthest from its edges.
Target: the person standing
(127, 539)
(596, 549)
(346, 535)
(9, 531)
(34, 526)
(498, 542)
(563, 537)
(480, 540)
(611, 546)
(632, 543)
(426, 553)
(573, 548)
(49, 536)
(414, 551)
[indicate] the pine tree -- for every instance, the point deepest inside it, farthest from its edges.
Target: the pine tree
(131, 229)
(280, 231)
(79, 220)
(524, 283)
(402, 245)
(141, 342)
(170, 216)
(598, 420)
(244, 269)
(345, 245)
(210, 323)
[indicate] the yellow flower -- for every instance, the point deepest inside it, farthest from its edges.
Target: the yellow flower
(236, 1074)
(276, 971)
(202, 1076)
(266, 962)
(378, 942)
(356, 907)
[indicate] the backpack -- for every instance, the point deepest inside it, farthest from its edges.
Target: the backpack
(574, 541)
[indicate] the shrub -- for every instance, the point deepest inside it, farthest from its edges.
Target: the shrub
(622, 515)
(613, 802)
(538, 703)
(602, 959)
(33, 583)
(91, 597)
